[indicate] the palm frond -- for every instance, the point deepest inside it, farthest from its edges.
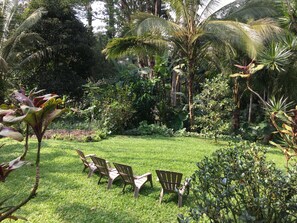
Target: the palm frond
(178, 8)
(22, 42)
(245, 10)
(41, 54)
(238, 34)
(267, 28)
(9, 9)
(3, 65)
(30, 21)
(154, 26)
(208, 8)
(120, 47)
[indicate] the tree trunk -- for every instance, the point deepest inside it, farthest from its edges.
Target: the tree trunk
(89, 15)
(173, 88)
(126, 10)
(250, 108)
(190, 95)
(236, 112)
(110, 5)
(157, 7)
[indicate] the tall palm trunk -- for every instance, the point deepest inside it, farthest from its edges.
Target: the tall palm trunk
(190, 94)
(89, 15)
(173, 88)
(157, 7)
(236, 112)
(250, 108)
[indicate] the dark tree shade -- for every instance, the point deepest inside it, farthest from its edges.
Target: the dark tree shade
(69, 56)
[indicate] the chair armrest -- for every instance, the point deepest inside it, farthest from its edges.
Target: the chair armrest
(108, 164)
(89, 155)
(185, 187)
(144, 175)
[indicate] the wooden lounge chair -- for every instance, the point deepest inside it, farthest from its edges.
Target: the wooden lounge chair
(87, 165)
(104, 169)
(171, 183)
(137, 182)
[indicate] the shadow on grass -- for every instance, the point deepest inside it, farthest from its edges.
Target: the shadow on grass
(77, 212)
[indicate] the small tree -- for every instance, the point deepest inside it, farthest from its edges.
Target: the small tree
(214, 106)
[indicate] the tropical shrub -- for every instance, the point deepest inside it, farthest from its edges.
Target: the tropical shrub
(286, 126)
(240, 185)
(150, 129)
(214, 107)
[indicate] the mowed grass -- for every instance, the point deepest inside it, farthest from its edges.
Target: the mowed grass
(66, 194)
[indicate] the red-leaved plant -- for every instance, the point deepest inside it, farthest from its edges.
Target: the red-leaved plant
(37, 112)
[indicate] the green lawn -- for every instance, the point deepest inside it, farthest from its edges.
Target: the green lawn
(67, 195)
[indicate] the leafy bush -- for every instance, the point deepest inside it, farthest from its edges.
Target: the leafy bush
(109, 106)
(152, 129)
(257, 132)
(214, 106)
(238, 185)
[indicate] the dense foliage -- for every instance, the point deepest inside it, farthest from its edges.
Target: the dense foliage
(240, 185)
(214, 106)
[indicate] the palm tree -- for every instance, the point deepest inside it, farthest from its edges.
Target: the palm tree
(13, 38)
(195, 29)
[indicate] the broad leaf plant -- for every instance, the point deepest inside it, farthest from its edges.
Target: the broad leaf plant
(37, 112)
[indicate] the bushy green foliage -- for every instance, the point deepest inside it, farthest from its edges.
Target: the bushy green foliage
(115, 115)
(214, 106)
(240, 185)
(256, 132)
(64, 58)
(150, 129)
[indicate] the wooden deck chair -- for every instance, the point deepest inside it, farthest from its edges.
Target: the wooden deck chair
(105, 170)
(171, 183)
(87, 165)
(137, 182)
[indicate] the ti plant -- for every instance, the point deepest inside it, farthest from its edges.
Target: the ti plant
(37, 112)
(247, 72)
(286, 125)
(6, 168)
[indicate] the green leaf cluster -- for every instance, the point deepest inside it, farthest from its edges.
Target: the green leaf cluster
(214, 106)
(240, 185)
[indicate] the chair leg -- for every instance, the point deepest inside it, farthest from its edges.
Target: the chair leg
(124, 188)
(180, 200)
(99, 179)
(136, 192)
(90, 173)
(161, 195)
(109, 183)
(151, 180)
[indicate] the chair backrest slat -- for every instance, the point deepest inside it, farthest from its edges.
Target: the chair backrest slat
(82, 157)
(100, 164)
(125, 172)
(169, 181)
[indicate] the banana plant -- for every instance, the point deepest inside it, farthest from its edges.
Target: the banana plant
(37, 112)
